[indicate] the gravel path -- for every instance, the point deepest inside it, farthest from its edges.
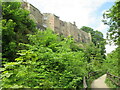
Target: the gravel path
(100, 83)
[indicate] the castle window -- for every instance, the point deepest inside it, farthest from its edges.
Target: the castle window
(45, 18)
(44, 25)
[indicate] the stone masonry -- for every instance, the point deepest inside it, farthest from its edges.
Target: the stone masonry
(48, 20)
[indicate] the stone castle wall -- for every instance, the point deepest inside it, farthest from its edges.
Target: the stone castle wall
(48, 20)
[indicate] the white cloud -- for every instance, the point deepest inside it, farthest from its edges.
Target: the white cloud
(110, 48)
(80, 11)
(103, 28)
(68, 10)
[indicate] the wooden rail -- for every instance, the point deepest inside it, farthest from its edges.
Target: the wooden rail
(84, 83)
(113, 79)
(85, 79)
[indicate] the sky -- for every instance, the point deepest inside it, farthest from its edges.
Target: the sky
(83, 12)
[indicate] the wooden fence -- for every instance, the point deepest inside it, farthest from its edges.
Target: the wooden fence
(85, 79)
(84, 82)
(114, 79)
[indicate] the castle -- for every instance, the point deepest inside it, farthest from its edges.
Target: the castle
(48, 20)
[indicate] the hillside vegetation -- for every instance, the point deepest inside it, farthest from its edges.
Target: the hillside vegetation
(112, 19)
(32, 58)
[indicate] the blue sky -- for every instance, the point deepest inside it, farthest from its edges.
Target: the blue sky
(83, 12)
(99, 12)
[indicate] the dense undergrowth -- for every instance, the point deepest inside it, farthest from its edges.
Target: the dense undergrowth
(112, 66)
(111, 18)
(34, 58)
(45, 63)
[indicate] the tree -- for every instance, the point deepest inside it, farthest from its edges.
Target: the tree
(46, 62)
(112, 19)
(97, 39)
(111, 63)
(87, 29)
(15, 25)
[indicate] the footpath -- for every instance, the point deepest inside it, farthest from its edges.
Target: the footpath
(100, 83)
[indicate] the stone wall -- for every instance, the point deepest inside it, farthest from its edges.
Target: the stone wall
(48, 20)
(35, 14)
(66, 28)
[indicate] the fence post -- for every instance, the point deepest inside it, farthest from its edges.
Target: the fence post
(112, 78)
(84, 83)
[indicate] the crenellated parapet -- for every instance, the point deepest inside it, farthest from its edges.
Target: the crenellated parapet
(48, 20)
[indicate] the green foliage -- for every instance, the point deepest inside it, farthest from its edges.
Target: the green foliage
(110, 83)
(94, 54)
(111, 63)
(15, 25)
(0, 43)
(47, 62)
(87, 29)
(94, 63)
(76, 47)
(8, 36)
(112, 19)
(44, 59)
(97, 39)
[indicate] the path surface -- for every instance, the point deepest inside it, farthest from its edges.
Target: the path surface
(100, 82)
